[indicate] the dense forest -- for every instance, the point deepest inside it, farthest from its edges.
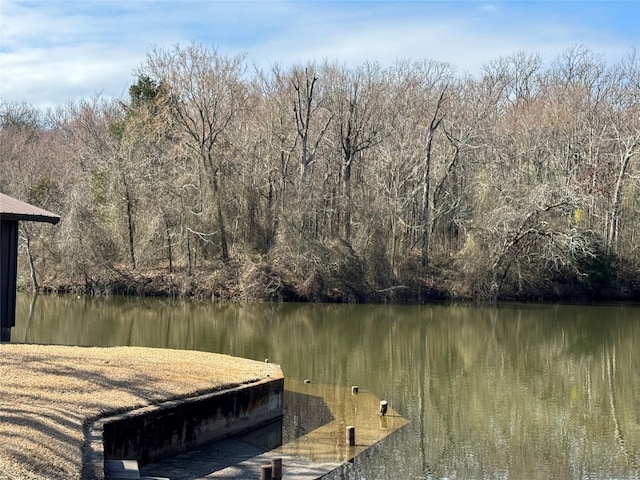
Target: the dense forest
(330, 183)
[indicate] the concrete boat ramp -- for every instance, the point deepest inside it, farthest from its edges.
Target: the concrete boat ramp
(311, 440)
(92, 413)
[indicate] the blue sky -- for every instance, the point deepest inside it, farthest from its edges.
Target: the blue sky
(52, 51)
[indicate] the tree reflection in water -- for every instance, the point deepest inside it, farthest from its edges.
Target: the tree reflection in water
(510, 391)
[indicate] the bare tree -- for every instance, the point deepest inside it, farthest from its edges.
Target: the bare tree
(356, 101)
(625, 120)
(205, 94)
(31, 171)
(521, 182)
(436, 119)
(629, 148)
(406, 159)
(305, 106)
(269, 143)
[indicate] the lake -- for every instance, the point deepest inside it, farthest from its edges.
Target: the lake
(498, 392)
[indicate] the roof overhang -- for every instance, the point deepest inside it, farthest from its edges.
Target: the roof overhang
(12, 209)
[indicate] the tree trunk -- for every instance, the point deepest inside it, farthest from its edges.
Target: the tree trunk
(426, 184)
(426, 180)
(304, 157)
(168, 238)
(189, 256)
(212, 172)
(32, 268)
(223, 232)
(302, 112)
(614, 216)
(130, 223)
(224, 255)
(346, 192)
(303, 109)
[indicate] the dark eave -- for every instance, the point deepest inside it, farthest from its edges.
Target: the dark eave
(12, 209)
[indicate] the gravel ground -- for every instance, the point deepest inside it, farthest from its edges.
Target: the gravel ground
(48, 394)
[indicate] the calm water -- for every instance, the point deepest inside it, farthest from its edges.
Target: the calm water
(517, 392)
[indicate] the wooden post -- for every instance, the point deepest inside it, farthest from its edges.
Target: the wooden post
(276, 469)
(266, 472)
(351, 435)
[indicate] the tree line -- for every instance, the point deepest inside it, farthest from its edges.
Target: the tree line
(326, 182)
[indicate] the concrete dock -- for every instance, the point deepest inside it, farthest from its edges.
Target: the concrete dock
(313, 438)
(172, 414)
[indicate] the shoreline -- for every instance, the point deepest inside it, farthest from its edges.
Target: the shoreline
(228, 282)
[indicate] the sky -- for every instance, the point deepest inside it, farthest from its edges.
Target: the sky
(55, 51)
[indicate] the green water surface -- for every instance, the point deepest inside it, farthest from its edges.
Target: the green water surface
(501, 392)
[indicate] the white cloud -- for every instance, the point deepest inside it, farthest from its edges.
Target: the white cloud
(53, 76)
(53, 51)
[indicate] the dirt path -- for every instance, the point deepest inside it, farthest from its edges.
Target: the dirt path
(48, 394)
